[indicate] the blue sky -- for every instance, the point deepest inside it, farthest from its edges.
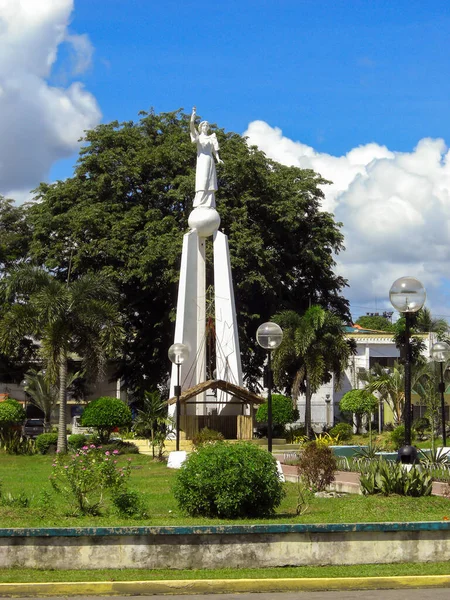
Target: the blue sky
(358, 90)
(331, 74)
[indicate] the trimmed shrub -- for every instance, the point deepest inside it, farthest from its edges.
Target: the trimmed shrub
(206, 436)
(11, 413)
(343, 431)
(77, 441)
(106, 414)
(229, 481)
(316, 466)
(46, 443)
(283, 412)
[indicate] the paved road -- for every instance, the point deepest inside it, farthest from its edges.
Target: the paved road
(407, 594)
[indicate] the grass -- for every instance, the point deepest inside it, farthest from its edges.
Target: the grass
(18, 575)
(29, 475)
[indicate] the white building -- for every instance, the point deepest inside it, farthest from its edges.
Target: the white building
(372, 347)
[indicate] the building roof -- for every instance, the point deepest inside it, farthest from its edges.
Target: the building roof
(218, 384)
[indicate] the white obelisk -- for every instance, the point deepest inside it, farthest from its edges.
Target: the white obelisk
(190, 326)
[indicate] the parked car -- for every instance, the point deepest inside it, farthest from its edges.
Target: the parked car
(33, 427)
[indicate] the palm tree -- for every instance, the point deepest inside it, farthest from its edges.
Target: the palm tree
(79, 317)
(43, 393)
(390, 385)
(152, 417)
(426, 323)
(313, 350)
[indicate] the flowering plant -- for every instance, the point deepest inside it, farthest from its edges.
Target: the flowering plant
(86, 475)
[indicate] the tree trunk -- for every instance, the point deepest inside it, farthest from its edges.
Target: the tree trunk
(308, 409)
(62, 427)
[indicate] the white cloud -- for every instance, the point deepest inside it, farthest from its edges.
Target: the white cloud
(39, 123)
(395, 208)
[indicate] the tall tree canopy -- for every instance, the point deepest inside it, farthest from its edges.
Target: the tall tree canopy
(124, 213)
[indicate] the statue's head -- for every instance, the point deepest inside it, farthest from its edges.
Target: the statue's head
(204, 127)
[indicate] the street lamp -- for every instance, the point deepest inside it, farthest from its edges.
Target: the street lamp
(328, 400)
(178, 353)
(440, 352)
(407, 295)
(269, 336)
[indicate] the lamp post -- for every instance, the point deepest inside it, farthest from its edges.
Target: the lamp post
(407, 295)
(269, 336)
(328, 400)
(440, 352)
(178, 353)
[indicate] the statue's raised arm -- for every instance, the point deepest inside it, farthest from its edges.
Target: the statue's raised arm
(194, 132)
(207, 151)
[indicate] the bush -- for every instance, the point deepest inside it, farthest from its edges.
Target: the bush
(86, 476)
(283, 412)
(46, 443)
(121, 446)
(77, 441)
(206, 436)
(12, 414)
(316, 466)
(420, 425)
(295, 435)
(384, 477)
(105, 414)
(129, 503)
(343, 431)
(229, 481)
(397, 437)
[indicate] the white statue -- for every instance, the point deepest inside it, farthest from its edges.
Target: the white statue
(205, 174)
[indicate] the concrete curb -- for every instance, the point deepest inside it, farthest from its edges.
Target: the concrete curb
(220, 586)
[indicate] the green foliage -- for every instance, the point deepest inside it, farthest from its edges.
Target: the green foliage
(152, 419)
(106, 414)
(125, 212)
(376, 322)
(121, 446)
(295, 434)
(87, 475)
(390, 384)
(77, 441)
(420, 425)
(386, 478)
(316, 466)
(129, 503)
(433, 456)
(229, 481)
(206, 436)
(359, 402)
(313, 350)
(343, 431)
(397, 437)
(46, 443)
(66, 316)
(19, 500)
(11, 413)
(283, 411)
(369, 452)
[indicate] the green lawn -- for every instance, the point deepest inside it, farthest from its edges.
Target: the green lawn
(37, 575)
(29, 474)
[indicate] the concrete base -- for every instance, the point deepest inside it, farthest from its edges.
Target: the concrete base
(217, 547)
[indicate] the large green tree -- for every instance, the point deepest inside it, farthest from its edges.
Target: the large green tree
(313, 350)
(125, 210)
(375, 322)
(79, 317)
